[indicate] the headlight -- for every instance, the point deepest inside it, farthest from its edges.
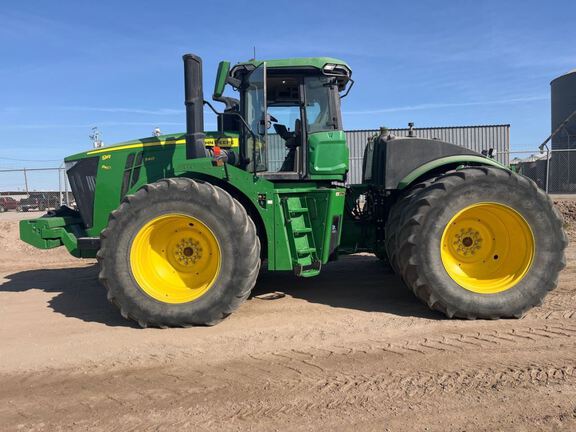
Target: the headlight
(336, 70)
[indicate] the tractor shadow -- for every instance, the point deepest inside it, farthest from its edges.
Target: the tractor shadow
(77, 293)
(360, 282)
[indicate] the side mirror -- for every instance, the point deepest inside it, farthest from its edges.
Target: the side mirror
(221, 76)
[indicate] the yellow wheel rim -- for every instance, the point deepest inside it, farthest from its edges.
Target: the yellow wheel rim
(175, 258)
(487, 248)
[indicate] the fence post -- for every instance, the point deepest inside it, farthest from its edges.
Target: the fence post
(60, 185)
(548, 155)
(66, 189)
(25, 181)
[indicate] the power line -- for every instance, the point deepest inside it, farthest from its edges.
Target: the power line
(31, 160)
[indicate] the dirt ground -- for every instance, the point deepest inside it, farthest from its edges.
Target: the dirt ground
(349, 350)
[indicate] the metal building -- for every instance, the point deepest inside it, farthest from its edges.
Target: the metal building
(476, 138)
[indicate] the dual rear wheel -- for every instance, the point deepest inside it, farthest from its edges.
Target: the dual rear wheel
(477, 243)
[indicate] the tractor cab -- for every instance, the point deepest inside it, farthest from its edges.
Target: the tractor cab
(291, 125)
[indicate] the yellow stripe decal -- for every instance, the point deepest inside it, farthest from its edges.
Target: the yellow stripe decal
(209, 142)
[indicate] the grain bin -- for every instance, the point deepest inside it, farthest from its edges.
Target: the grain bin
(563, 161)
(563, 100)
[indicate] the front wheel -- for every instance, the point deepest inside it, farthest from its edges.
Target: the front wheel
(179, 253)
(480, 243)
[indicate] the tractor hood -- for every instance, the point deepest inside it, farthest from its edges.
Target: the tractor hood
(230, 140)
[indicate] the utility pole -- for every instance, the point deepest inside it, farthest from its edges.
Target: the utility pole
(26, 181)
(60, 195)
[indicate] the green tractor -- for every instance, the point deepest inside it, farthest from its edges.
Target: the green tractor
(180, 224)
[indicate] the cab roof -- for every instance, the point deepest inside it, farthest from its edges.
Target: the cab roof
(313, 62)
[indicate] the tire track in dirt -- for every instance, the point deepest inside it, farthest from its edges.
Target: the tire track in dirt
(556, 307)
(345, 388)
(354, 389)
(527, 334)
(558, 304)
(339, 375)
(473, 339)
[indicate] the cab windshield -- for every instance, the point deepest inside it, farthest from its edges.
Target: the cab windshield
(322, 111)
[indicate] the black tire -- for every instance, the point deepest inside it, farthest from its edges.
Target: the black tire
(430, 210)
(226, 218)
(2, 209)
(394, 221)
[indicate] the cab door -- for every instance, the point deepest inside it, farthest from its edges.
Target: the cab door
(328, 155)
(254, 110)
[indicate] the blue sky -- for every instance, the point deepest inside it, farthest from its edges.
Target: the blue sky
(70, 65)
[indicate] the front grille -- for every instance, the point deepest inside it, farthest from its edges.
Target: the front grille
(82, 177)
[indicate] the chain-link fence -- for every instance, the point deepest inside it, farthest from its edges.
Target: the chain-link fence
(554, 171)
(29, 189)
(562, 171)
(532, 164)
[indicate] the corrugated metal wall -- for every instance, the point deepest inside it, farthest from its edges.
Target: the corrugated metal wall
(476, 138)
(277, 152)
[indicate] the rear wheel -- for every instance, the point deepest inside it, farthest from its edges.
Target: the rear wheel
(179, 253)
(395, 219)
(2, 209)
(480, 243)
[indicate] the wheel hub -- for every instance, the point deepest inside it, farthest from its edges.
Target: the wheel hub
(188, 251)
(467, 242)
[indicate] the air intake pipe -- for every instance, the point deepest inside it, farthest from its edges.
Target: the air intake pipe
(194, 101)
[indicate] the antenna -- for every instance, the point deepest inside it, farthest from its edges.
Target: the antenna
(96, 138)
(254, 50)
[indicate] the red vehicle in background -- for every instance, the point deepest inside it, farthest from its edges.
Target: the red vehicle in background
(8, 203)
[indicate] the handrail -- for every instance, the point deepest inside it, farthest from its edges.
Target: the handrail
(558, 129)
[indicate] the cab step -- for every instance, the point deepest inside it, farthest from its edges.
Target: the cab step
(305, 259)
(304, 252)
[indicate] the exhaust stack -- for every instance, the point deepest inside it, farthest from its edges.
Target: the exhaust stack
(194, 101)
